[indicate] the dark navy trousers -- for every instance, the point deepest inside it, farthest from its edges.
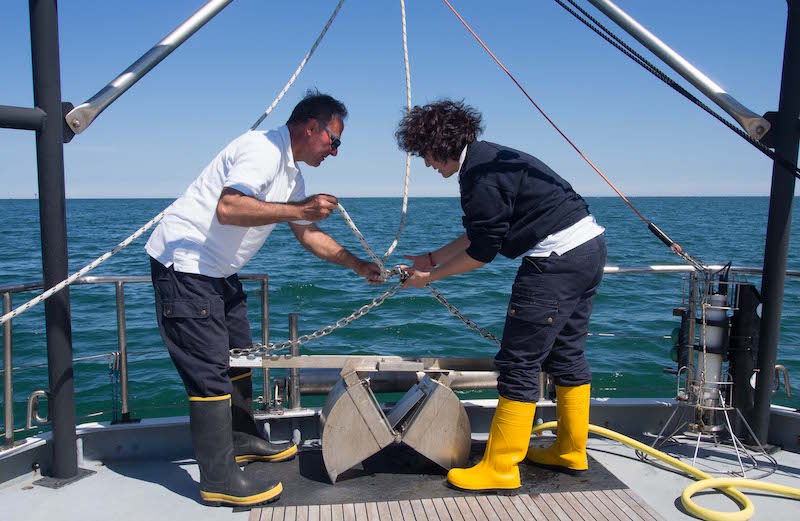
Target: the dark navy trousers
(200, 319)
(548, 320)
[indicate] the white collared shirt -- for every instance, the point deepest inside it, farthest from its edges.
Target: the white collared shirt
(190, 238)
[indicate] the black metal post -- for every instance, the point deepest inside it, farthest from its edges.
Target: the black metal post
(22, 118)
(779, 221)
(53, 222)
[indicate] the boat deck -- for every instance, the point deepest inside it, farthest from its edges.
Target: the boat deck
(146, 470)
(154, 489)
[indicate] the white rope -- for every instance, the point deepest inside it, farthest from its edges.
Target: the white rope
(300, 68)
(408, 154)
(348, 220)
(86, 269)
(361, 239)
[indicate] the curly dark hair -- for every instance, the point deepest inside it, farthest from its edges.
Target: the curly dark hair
(316, 105)
(442, 129)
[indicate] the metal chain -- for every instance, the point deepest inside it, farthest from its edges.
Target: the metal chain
(262, 350)
(466, 320)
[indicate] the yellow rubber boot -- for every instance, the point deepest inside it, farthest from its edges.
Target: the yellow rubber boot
(572, 414)
(508, 442)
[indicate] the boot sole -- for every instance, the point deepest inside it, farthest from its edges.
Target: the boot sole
(482, 490)
(281, 456)
(557, 468)
(216, 499)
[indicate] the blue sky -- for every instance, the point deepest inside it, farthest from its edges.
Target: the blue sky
(157, 137)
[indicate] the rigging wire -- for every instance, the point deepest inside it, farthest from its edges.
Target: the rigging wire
(299, 68)
(628, 51)
(663, 237)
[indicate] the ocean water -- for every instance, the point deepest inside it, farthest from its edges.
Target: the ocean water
(635, 308)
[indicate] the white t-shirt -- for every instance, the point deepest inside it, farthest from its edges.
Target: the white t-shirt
(190, 238)
(567, 239)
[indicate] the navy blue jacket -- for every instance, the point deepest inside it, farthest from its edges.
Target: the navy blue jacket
(511, 201)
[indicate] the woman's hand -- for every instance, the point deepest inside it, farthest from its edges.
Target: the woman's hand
(416, 278)
(421, 262)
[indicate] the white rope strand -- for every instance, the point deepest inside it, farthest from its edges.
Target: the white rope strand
(361, 239)
(408, 155)
(86, 269)
(300, 68)
(348, 220)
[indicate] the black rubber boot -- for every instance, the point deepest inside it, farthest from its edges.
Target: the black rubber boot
(248, 445)
(222, 482)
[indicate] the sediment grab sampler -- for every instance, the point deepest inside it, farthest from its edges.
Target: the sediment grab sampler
(412, 405)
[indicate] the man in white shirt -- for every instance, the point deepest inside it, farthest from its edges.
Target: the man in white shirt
(208, 235)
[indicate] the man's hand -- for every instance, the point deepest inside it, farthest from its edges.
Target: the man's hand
(370, 271)
(416, 278)
(317, 207)
(421, 262)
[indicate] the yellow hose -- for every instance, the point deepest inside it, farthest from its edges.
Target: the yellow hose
(724, 485)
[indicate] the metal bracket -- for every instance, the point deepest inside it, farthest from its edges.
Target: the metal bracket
(33, 410)
(429, 418)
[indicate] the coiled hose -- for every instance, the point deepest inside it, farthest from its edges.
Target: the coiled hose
(727, 486)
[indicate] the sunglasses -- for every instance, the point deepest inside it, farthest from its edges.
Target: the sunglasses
(335, 141)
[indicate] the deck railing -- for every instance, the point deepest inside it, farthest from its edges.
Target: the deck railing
(121, 355)
(293, 382)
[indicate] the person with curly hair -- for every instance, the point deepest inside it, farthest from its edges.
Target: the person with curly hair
(516, 206)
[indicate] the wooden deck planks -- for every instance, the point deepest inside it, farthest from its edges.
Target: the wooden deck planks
(430, 510)
(598, 505)
(476, 509)
(641, 502)
(408, 512)
(419, 510)
(452, 509)
(499, 509)
(372, 512)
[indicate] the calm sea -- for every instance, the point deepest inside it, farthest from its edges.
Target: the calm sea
(635, 308)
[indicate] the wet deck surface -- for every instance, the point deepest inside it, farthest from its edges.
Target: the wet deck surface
(598, 505)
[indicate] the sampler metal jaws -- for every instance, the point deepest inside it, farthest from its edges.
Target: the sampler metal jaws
(429, 418)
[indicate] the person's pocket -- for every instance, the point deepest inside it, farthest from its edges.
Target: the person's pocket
(186, 321)
(533, 310)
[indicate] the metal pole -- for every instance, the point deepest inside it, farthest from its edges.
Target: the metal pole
(265, 337)
(122, 343)
(8, 384)
(82, 116)
(22, 118)
(53, 221)
(787, 135)
(294, 374)
(754, 124)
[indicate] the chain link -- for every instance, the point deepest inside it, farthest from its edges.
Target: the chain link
(262, 350)
(466, 320)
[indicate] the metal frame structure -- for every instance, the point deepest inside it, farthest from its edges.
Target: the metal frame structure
(48, 120)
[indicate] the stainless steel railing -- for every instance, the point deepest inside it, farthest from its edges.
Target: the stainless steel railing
(293, 382)
(119, 282)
